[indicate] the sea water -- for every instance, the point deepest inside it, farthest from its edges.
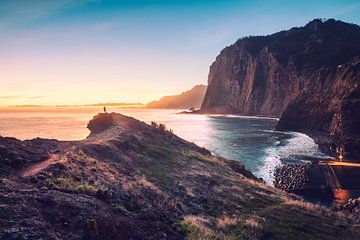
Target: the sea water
(251, 140)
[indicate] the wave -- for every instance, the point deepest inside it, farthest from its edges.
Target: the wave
(298, 145)
(241, 116)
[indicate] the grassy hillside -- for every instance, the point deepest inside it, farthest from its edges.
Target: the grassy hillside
(134, 181)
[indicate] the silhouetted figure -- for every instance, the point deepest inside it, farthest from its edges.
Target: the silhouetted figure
(340, 151)
(104, 109)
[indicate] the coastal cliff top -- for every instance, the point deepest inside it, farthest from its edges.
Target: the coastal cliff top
(130, 179)
(320, 43)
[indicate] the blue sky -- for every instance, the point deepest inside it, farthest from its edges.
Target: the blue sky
(85, 51)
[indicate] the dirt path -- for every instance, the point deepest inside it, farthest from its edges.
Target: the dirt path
(38, 167)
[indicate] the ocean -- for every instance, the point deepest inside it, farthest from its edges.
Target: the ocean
(251, 140)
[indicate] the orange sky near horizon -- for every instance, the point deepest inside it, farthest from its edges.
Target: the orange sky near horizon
(75, 81)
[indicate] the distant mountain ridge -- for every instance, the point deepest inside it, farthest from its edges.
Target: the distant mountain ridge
(188, 99)
(308, 76)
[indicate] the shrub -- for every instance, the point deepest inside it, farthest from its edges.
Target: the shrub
(191, 231)
(69, 185)
(154, 124)
(159, 127)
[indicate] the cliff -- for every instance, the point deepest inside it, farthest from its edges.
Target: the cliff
(129, 180)
(188, 99)
(307, 76)
(329, 103)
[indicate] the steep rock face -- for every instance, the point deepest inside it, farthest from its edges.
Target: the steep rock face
(262, 75)
(240, 82)
(330, 103)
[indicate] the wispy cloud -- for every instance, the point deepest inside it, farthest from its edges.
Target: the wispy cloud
(9, 97)
(18, 96)
(346, 9)
(14, 12)
(36, 97)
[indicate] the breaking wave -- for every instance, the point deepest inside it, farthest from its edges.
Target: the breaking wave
(294, 149)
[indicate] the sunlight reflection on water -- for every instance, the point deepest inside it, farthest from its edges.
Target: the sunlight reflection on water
(248, 139)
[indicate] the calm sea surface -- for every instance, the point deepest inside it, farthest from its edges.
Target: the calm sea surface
(251, 140)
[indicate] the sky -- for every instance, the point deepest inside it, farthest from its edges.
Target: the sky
(67, 52)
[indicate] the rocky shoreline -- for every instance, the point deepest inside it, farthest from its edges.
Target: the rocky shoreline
(323, 182)
(352, 206)
(306, 180)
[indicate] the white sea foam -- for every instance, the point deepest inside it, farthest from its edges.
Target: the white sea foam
(242, 116)
(299, 145)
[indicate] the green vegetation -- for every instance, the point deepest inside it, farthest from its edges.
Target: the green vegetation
(292, 222)
(191, 231)
(119, 206)
(259, 202)
(69, 185)
(158, 171)
(160, 127)
(198, 157)
(283, 222)
(86, 188)
(159, 152)
(157, 175)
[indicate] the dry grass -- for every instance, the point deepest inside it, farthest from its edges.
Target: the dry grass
(200, 222)
(306, 205)
(226, 222)
(255, 223)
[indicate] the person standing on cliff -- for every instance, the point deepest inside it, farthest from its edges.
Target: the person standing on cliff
(104, 109)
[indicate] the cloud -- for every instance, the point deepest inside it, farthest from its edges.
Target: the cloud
(14, 12)
(35, 97)
(344, 10)
(9, 97)
(14, 97)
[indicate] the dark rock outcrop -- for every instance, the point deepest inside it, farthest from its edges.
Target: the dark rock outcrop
(240, 168)
(100, 123)
(353, 205)
(304, 179)
(308, 75)
(189, 99)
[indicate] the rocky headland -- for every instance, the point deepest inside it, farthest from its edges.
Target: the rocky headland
(307, 76)
(190, 99)
(130, 180)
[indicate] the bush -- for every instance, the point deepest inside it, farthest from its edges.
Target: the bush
(190, 231)
(159, 127)
(69, 185)
(154, 124)
(162, 127)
